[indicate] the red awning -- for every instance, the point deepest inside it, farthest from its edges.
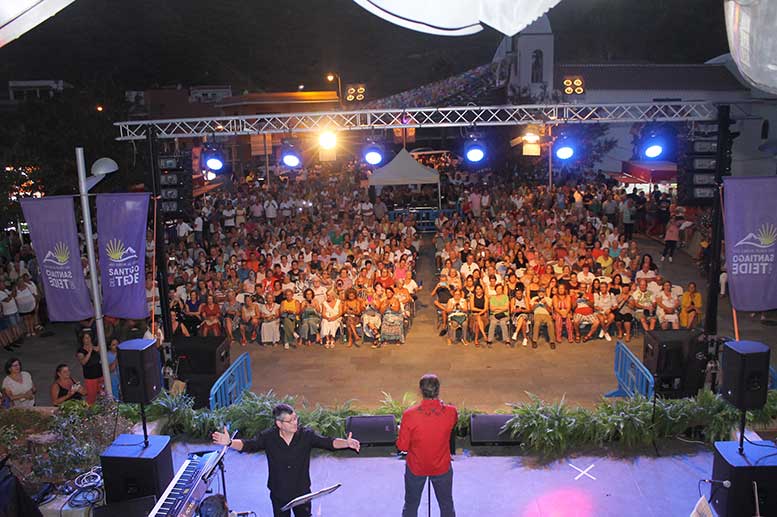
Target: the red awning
(650, 172)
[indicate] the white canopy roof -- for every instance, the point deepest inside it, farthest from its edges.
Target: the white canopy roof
(20, 16)
(404, 170)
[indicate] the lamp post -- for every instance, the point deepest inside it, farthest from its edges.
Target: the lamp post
(331, 77)
(100, 168)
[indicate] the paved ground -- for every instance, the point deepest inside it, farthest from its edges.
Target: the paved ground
(511, 485)
(485, 379)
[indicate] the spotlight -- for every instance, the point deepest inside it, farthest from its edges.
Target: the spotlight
(564, 149)
(213, 159)
(653, 151)
(209, 175)
(474, 150)
(653, 146)
(373, 153)
(355, 92)
(327, 140)
(290, 156)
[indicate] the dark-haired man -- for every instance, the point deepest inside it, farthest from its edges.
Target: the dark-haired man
(287, 446)
(425, 434)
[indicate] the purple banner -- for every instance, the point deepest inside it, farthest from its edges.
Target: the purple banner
(54, 236)
(121, 233)
(751, 242)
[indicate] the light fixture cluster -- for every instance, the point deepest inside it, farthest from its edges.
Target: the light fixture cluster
(574, 85)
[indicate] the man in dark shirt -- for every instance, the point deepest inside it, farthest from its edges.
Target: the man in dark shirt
(425, 434)
(287, 446)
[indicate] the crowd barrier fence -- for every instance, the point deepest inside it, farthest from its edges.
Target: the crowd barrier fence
(633, 377)
(229, 388)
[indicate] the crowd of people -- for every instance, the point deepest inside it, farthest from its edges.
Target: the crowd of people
(315, 260)
(527, 259)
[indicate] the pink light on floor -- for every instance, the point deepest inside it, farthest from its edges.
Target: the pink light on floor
(562, 502)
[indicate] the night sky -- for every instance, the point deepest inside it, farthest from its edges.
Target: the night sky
(275, 45)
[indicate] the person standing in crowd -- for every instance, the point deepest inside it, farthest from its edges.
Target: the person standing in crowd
(287, 446)
(671, 237)
(89, 357)
(11, 331)
(65, 387)
(18, 387)
(425, 435)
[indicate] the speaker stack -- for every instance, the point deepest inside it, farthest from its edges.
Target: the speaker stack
(131, 470)
(678, 359)
(201, 361)
(140, 373)
(750, 468)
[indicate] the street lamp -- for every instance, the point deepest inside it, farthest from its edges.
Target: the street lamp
(100, 169)
(331, 76)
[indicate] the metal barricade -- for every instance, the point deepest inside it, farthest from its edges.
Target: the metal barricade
(633, 377)
(229, 388)
(772, 378)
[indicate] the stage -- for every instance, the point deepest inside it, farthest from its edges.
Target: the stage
(509, 485)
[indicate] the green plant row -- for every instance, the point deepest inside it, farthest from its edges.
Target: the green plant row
(546, 428)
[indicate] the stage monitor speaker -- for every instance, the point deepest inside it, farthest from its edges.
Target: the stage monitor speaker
(372, 430)
(745, 367)
(131, 470)
(198, 387)
(757, 464)
(129, 508)
(201, 355)
(678, 359)
(140, 373)
(487, 430)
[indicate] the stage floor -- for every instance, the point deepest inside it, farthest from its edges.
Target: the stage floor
(512, 486)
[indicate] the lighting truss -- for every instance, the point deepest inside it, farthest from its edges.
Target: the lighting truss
(464, 116)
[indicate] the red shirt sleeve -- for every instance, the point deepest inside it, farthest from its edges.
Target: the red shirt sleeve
(403, 441)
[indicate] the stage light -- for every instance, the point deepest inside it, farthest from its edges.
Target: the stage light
(474, 151)
(355, 92)
(327, 140)
(212, 159)
(654, 150)
(565, 151)
(573, 85)
(531, 138)
(290, 156)
(209, 175)
(373, 153)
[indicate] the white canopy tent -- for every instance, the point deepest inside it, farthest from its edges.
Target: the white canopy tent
(20, 16)
(405, 170)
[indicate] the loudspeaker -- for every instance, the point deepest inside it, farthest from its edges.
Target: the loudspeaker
(129, 508)
(372, 430)
(487, 430)
(140, 373)
(131, 470)
(757, 464)
(198, 386)
(678, 359)
(745, 367)
(201, 355)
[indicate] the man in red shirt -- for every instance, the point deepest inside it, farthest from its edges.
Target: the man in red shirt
(425, 434)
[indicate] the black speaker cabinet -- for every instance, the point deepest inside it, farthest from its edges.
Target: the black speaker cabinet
(487, 430)
(372, 430)
(129, 508)
(756, 464)
(140, 373)
(198, 386)
(678, 358)
(201, 355)
(745, 374)
(131, 470)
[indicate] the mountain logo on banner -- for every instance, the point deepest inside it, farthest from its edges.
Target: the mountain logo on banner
(59, 256)
(764, 238)
(118, 252)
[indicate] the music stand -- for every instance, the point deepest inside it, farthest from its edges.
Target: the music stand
(309, 497)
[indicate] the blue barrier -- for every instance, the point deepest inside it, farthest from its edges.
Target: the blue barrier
(772, 378)
(228, 389)
(633, 377)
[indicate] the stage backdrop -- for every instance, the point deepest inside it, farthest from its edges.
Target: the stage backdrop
(54, 236)
(751, 241)
(121, 232)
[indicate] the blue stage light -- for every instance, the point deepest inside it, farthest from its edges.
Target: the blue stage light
(653, 150)
(474, 151)
(213, 159)
(565, 152)
(373, 153)
(291, 160)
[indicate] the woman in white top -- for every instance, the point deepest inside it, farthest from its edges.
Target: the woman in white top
(270, 313)
(26, 301)
(331, 319)
(668, 307)
(17, 385)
